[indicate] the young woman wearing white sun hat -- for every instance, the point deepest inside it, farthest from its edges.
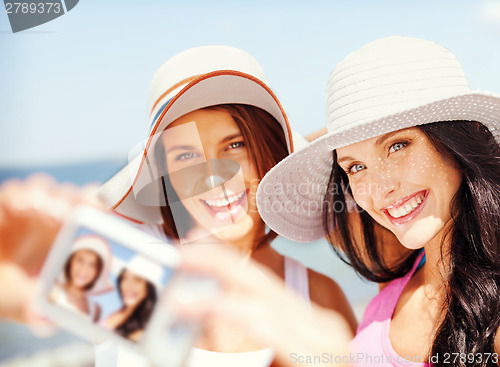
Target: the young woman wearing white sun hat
(411, 156)
(85, 273)
(139, 282)
(216, 129)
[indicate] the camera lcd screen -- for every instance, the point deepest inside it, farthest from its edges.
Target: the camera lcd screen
(109, 284)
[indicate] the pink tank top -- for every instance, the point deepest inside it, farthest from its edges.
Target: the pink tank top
(371, 346)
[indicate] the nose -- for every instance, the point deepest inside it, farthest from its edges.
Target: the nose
(214, 181)
(210, 152)
(385, 182)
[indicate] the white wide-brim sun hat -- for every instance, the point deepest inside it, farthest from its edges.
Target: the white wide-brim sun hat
(387, 85)
(145, 268)
(193, 79)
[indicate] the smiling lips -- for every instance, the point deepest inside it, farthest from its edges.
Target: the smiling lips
(131, 296)
(407, 208)
(224, 202)
(227, 209)
(82, 278)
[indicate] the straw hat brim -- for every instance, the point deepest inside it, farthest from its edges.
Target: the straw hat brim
(214, 88)
(290, 196)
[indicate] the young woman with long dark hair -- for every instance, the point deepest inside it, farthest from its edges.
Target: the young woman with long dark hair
(415, 155)
(137, 286)
(406, 186)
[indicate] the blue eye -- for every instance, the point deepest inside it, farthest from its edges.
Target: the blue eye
(397, 146)
(356, 168)
(184, 156)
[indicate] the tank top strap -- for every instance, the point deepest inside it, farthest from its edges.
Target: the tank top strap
(296, 277)
(419, 262)
(393, 291)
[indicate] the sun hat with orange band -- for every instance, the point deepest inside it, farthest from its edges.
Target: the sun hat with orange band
(193, 79)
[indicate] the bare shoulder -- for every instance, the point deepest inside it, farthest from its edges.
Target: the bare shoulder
(136, 335)
(113, 320)
(325, 292)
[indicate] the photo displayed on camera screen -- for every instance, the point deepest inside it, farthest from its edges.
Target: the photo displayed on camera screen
(109, 285)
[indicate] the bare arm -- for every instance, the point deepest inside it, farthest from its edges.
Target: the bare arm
(263, 307)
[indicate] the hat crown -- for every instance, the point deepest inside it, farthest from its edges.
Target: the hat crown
(93, 243)
(146, 269)
(389, 76)
(180, 69)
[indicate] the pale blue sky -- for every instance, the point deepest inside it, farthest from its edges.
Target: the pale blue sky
(75, 89)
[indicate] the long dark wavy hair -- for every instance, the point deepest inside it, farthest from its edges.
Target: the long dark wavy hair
(139, 318)
(471, 312)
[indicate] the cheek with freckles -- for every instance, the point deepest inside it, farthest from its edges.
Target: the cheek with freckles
(421, 167)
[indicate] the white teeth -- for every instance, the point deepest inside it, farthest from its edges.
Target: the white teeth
(406, 209)
(224, 202)
(394, 213)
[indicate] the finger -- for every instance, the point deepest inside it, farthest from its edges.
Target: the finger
(35, 193)
(229, 267)
(241, 311)
(287, 327)
(31, 213)
(93, 198)
(42, 194)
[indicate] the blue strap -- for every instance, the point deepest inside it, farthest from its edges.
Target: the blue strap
(422, 261)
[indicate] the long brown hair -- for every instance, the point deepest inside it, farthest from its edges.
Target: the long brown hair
(266, 143)
(139, 317)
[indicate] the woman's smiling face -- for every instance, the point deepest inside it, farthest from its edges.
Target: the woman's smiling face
(84, 268)
(211, 170)
(133, 288)
(403, 183)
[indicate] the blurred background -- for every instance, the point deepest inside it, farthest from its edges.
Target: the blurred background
(73, 96)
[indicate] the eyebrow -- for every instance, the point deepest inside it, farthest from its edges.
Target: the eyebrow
(378, 142)
(180, 147)
(345, 159)
(384, 137)
(231, 137)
